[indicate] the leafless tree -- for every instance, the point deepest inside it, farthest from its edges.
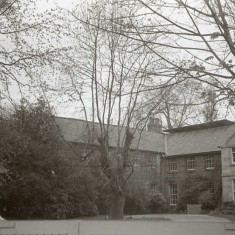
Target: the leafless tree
(200, 33)
(192, 39)
(108, 75)
(28, 43)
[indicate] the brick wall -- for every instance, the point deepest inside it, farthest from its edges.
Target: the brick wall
(181, 174)
(146, 164)
(147, 169)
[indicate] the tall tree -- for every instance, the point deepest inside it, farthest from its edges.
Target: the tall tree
(192, 39)
(200, 33)
(107, 78)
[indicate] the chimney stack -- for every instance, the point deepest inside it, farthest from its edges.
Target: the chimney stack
(154, 125)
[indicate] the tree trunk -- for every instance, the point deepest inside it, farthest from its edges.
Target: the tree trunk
(117, 206)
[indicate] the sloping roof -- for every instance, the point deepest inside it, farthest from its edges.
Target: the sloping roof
(198, 141)
(201, 126)
(75, 130)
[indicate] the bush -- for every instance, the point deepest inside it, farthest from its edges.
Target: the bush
(103, 197)
(136, 202)
(157, 204)
(141, 201)
(195, 191)
(227, 208)
(207, 200)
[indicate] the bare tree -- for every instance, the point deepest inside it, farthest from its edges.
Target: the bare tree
(193, 39)
(108, 76)
(180, 104)
(200, 33)
(28, 43)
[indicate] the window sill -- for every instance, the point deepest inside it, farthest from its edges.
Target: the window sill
(173, 171)
(191, 169)
(210, 168)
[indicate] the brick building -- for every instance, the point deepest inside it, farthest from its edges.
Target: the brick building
(195, 152)
(205, 150)
(146, 150)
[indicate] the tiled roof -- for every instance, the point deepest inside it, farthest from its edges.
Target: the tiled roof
(76, 130)
(201, 126)
(198, 141)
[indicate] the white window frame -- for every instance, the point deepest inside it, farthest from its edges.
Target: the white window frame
(233, 188)
(190, 163)
(210, 162)
(233, 155)
(172, 165)
(173, 194)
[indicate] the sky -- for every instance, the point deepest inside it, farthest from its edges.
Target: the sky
(43, 5)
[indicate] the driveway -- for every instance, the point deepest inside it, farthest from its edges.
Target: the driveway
(160, 225)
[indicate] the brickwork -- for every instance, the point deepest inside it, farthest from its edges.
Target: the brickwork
(181, 173)
(146, 164)
(217, 139)
(147, 169)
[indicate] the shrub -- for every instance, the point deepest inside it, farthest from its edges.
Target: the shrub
(157, 204)
(136, 201)
(226, 208)
(207, 200)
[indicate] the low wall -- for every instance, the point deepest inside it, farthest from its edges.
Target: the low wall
(52, 227)
(132, 227)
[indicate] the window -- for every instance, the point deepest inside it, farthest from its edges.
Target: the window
(234, 189)
(209, 162)
(173, 194)
(172, 165)
(190, 163)
(233, 155)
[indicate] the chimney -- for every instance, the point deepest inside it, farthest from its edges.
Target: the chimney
(154, 125)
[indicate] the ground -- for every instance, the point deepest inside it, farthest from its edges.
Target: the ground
(166, 224)
(230, 217)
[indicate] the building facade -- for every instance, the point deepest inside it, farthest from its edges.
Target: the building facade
(228, 169)
(164, 161)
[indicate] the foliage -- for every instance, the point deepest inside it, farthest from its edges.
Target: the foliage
(103, 196)
(226, 208)
(39, 182)
(195, 191)
(140, 200)
(207, 200)
(137, 200)
(157, 204)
